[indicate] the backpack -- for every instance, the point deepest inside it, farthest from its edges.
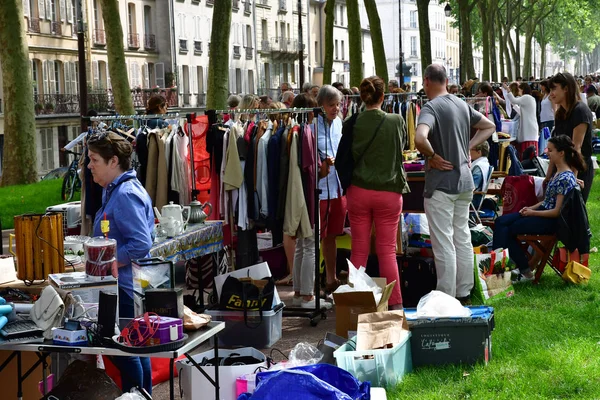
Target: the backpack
(344, 161)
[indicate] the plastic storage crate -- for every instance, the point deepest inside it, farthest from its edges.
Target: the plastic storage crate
(438, 341)
(250, 332)
(382, 367)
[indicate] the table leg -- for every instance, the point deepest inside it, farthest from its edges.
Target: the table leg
(44, 382)
(200, 285)
(217, 368)
(19, 378)
(172, 378)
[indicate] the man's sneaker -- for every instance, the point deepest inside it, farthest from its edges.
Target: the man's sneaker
(523, 278)
(311, 304)
(465, 301)
(515, 272)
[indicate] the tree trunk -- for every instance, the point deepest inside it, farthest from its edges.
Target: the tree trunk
(501, 50)
(517, 55)
(218, 58)
(467, 70)
(328, 61)
(514, 55)
(20, 163)
(527, 69)
(354, 42)
(543, 61)
(377, 40)
(482, 5)
(492, 41)
(424, 33)
(116, 58)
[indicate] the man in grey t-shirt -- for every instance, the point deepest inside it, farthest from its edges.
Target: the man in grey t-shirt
(443, 133)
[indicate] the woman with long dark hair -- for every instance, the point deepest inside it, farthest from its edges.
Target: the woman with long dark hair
(574, 119)
(541, 218)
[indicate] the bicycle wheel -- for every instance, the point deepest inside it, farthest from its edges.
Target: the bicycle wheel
(68, 186)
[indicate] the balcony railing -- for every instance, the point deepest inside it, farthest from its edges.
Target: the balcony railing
(235, 5)
(141, 96)
(99, 100)
(284, 45)
(197, 47)
(247, 7)
(249, 53)
(99, 37)
(236, 52)
(133, 41)
(34, 25)
(183, 47)
(201, 99)
(150, 42)
(56, 28)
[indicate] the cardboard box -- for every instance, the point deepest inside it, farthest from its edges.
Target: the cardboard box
(350, 305)
(64, 337)
(79, 285)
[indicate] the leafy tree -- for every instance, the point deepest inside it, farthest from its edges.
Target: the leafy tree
(377, 40)
(116, 57)
(354, 38)
(218, 56)
(20, 163)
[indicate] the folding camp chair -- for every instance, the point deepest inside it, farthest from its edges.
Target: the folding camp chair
(474, 211)
(543, 247)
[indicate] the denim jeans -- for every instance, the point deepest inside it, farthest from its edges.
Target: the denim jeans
(507, 227)
(135, 371)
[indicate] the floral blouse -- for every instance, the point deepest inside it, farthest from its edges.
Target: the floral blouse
(561, 183)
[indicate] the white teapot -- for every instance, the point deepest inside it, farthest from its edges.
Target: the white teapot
(176, 211)
(171, 226)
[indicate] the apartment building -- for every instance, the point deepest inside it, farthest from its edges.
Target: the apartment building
(193, 22)
(341, 43)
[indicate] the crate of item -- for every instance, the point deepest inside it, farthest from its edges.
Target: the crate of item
(446, 340)
(382, 367)
(258, 329)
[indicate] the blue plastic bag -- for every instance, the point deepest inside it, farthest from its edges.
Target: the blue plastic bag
(310, 382)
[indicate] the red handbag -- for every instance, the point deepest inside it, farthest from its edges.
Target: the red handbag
(517, 192)
(561, 258)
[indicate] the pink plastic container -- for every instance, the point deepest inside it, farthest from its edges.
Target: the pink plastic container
(163, 333)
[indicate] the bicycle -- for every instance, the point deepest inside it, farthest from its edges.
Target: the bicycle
(71, 181)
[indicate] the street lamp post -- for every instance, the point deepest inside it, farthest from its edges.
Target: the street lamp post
(401, 61)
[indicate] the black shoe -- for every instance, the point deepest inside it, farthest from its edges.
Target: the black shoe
(465, 301)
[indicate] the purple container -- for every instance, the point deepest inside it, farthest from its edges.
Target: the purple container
(163, 333)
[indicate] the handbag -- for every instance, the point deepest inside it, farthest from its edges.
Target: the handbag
(576, 273)
(562, 256)
(247, 294)
(48, 311)
(344, 161)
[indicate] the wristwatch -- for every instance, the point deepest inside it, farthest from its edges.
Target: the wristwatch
(431, 156)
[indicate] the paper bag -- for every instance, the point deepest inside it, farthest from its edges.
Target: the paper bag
(380, 330)
(492, 277)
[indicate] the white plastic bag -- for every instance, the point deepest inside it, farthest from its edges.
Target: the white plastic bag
(439, 304)
(360, 282)
(133, 395)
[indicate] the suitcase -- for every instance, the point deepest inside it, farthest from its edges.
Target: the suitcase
(418, 277)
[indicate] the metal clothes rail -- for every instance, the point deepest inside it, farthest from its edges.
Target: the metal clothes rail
(134, 117)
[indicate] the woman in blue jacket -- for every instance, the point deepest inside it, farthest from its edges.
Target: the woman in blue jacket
(128, 208)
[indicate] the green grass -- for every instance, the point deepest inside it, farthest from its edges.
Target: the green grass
(546, 344)
(33, 198)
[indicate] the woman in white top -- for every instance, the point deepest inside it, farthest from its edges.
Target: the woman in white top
(528, 127)
(546, 114)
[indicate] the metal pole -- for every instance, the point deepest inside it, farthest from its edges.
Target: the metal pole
(400, 62)
(83, 106)
(300, 46)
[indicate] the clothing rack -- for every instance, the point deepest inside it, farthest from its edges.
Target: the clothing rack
(312, 314)
(134, 117)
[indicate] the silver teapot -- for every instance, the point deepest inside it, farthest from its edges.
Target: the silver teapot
(197, 214)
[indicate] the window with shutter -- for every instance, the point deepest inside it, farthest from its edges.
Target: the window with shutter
(146, 76)
(63, 10)
(41, 9)
(96, 74)
(51, 74)
(159, 69)
(67, 77)
(45, 77)
(70, 11)
(49, 10)
(26, 11)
